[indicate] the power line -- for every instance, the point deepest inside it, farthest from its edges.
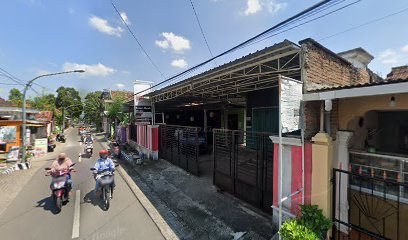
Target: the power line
(11, 77)
(201, 28)
(138, 42)
(365, 24)
(11, 84)
(262, 34)
(6, 74)
(311, 20)
(289, 23)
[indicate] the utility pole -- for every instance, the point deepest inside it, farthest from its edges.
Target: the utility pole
(24, 125)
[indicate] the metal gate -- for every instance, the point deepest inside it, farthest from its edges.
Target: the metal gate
(180, 146)
(368, 204)
(243, 165)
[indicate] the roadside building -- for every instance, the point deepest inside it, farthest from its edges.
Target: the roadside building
(10, 126)
(218, 124)
(108, 96)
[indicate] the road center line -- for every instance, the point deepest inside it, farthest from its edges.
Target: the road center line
(75, 226)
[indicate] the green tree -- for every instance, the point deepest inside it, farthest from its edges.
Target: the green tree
(115, 109)
(93, 107)
(16, 97)
(44, 103)
(69, 97)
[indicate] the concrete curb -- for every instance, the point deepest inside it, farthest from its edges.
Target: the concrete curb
(161, 224)
(164, 228)
(8, 170)
(22, 166)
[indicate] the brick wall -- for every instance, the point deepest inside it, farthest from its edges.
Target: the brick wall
(334, 119)
(322, 69)
(312, 118)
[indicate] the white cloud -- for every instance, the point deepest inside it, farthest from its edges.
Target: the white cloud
(274, 6)
(389, 56)
(71, 11)
(39, 72)
(162, 44)
(125, 18)
(102, 25)
(180, 63)
(126, 72)
(90, 70)
(255, 6)
(120, 85)
(405, 48)
(177, 43)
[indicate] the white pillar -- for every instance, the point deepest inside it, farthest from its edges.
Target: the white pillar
(342, 162)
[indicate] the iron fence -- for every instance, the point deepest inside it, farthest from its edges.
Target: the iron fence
(243, 165)
(180, 146)
(368, 205)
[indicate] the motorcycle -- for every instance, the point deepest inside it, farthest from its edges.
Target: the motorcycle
(89, 148)
(105, 178)
(60, 138)
(60, 191)
(51, 145)
(116, 149)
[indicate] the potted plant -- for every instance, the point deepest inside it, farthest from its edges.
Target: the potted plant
(312, 224)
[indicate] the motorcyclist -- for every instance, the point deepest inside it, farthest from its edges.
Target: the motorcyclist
(88, 139)
(62, 163)
(101, 164)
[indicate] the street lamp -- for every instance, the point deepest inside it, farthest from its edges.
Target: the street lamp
(28, 84)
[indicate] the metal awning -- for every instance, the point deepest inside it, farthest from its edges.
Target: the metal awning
(35, 125)
(229, 83)
(359, 91)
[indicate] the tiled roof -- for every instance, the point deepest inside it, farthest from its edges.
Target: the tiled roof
(126, 93)
(45, 115)
(398, 73)
(385, 82)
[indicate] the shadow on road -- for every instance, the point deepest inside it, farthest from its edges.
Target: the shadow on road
(48, 205)
(86, 155)
(94, 200)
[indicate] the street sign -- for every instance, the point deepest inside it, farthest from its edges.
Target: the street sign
(41, 146)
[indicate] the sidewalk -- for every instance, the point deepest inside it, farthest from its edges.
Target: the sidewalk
(11, 184)
(193, 207)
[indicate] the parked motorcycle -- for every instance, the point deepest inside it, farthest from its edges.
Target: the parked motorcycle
(51, 145)
(60, 138)
(89, 148)
(105, 178)
(116, 149)
(59, 188)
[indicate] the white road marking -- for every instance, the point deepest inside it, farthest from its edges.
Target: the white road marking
(80, 157)
(75, 226)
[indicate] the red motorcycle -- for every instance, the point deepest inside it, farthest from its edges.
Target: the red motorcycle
(59, 188)
(116, 149)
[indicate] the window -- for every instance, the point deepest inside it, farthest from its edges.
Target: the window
(382, 175)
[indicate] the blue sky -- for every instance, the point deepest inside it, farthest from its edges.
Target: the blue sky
(40, 36)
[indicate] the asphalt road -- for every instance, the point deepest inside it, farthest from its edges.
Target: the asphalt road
(32, 215)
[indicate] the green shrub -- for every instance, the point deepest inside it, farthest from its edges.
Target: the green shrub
(313, 218)
(312, 224)
(294, 230)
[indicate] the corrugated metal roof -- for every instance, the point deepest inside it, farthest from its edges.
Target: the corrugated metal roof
(276, 46)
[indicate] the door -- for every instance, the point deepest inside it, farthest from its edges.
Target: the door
(232, 121)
